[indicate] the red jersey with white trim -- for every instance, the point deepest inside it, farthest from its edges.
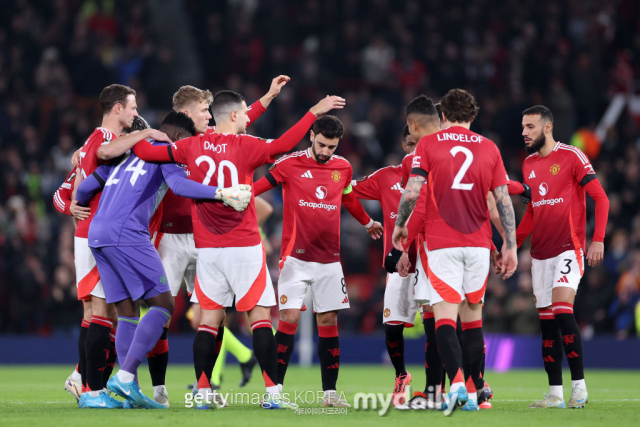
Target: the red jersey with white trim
(384, 185)
(462, 168)
(558, 199)
(62, 196)
(312, 194)
(89, 162)
(176, 213)
(223, 160)
(407, 161)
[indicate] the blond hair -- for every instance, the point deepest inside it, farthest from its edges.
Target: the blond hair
(188, 95)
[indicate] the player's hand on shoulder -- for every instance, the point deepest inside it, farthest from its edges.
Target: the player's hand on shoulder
(509, 262)
(595, 254)
(327, 104)
(238, 197)
(158, 136)
(399, 237)
(375, 231)
(79, 212)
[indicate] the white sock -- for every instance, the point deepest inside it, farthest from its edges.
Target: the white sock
(578, 383)
(125, 377)
(158, 389)
(95, 393)
(75, 376)
(273, 390)
(455, 386)
(556, 390)
(473, 397)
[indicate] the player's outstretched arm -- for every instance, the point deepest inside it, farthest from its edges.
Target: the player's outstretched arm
(508, 220)
(264, 184)
(407, 204)
(121, 145)
(291, 137)
(91, 185)
(595, 254)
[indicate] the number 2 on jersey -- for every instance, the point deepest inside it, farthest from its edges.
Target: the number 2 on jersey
(457, 181)
(233, 171)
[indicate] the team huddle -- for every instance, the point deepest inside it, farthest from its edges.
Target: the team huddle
(154, 207)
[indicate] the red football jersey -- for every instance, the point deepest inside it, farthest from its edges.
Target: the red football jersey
(462, 168)
(558, 199)
(406, 169)
(312, 194)
(384, 186)
(223, 160)
(89, 162)
(62, 197)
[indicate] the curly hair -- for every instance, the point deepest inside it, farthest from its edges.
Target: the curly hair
(328, 126)
(459, 106)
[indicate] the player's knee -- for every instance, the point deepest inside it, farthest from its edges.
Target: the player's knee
(327, 319)
(290, 316)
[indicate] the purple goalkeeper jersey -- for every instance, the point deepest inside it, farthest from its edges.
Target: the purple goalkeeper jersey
(133, 189)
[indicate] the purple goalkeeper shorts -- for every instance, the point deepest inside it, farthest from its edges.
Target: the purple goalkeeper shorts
(134, 272)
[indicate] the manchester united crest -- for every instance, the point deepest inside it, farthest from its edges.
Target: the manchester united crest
(283, 299)
(555, 169)
(335, 175)
(387, 312)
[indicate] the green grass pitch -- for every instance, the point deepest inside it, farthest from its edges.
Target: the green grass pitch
(33, 395)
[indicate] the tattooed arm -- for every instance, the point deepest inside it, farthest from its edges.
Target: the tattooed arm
(407, 203)
(508, 220)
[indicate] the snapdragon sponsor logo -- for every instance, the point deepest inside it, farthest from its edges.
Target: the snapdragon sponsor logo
(549, 202)
(313, 205)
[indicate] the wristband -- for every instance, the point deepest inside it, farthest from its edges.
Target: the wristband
(368, 226)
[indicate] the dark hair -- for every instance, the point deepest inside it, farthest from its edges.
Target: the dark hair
(328, 126)
(439, 110)
(459, 106)
(421, 105)
(545, 113)
(405, 132)
(139, 123)
(223, 100)
(114, 94)
(180, 121)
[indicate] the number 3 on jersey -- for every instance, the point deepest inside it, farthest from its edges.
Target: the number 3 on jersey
(457, 181)
(225, 164)
(136, 168)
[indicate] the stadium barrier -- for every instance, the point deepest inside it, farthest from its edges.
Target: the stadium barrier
(504, 351)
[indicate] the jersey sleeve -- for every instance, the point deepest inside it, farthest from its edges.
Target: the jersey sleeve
(255, 111)
(582, 170)
(420, 162)
(256, 150)
(62, 196)
(406, 170)
(176, 179)
(366, 188)
(348, 188)
(499, 173)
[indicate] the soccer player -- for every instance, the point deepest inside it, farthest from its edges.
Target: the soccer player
(316, 182)
(175, 241)
(119, 110)
(231, 260)
(384, 185)
(127, 260)
(461, 167)
(557, 177)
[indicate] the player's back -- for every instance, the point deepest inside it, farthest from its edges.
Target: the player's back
(89, 161)
(223, 160)
(462, 168)
(132, 191)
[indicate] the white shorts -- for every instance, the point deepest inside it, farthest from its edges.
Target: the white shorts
(422, 286)
(179, 256)
(458, 273)
(399, 304)
(222, 273)
(565, 270)
(87, 277)
(326, 281)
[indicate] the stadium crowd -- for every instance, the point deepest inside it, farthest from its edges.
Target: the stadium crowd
(55, 57)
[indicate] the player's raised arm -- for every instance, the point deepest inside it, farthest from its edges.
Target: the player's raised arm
(276, 86)
(291, 137)
(121, 145)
